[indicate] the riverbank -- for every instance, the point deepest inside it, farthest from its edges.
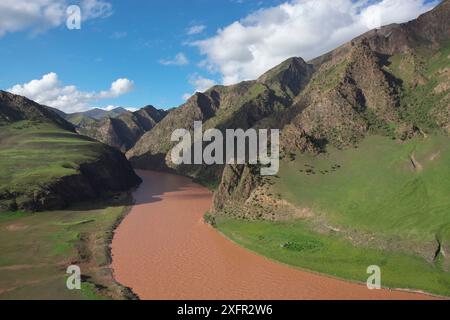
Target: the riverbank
(332, 256)
(164, 250)
(37, 249)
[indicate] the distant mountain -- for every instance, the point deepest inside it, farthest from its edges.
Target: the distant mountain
(121, 131)
(118, 128)
(80, 118)
(99, 114)
(45, 164)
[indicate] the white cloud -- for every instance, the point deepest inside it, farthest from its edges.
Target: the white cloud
(200, 84)
(118, 88)
(308, 28)
(93, 9)
(50, 92)
(110, 107)
(186, 96)
(196, 29)
(41, 15)
(179, 60)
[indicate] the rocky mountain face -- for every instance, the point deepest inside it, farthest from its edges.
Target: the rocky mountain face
(46, 165)
(392, 81)
(124, 130)
(223, 107)
(429, 30)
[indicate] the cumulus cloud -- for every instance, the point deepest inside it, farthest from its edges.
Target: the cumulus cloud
(186, 96)
(50, 92)
(196, 29)
(110, 107)
(308, 28)
(118, 88)
(41, 15)
(179, 60)
(200, 84)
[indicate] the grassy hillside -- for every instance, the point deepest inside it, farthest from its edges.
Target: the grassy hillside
(425, 78)
(34, 155)
(37, 249)
(45, 165)
(40, 152)
(385, 203)
(376, 187)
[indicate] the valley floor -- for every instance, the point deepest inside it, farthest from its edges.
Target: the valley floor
(37, 248)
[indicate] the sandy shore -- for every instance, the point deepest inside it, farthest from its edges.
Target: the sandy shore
(163, 250)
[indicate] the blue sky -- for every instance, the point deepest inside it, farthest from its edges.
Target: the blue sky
(155, 44)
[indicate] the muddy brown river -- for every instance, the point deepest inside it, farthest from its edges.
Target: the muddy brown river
(164, 250)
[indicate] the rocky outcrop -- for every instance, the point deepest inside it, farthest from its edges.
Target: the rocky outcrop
(236, 185)
(343, 101)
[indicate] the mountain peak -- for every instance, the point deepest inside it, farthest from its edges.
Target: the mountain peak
(290, 76)
(430, 30)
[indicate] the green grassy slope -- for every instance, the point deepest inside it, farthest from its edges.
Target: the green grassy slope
(384, 203)
(34, 154)
(295, 244)
(45, 166)
(425, 78)
(376, 187)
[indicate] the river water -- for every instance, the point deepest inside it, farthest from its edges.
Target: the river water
(164, 250)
